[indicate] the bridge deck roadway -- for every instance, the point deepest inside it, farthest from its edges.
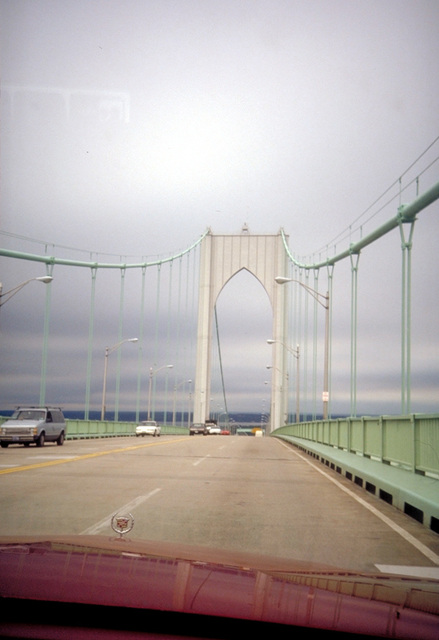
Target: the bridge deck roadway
(237, 494)
(414, 494)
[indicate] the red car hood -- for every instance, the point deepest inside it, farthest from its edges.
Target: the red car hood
(155, 576)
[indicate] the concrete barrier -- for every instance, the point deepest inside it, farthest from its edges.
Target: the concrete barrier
(414, 494)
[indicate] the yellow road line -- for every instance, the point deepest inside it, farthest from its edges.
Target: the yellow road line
(41, 465)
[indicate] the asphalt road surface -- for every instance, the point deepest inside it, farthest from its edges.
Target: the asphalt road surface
(238, 493)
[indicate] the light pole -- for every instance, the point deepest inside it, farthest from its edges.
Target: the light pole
(189, 408)
(296, 354)
(8, 294)
(152, 373)
(4, 297)
(323, 301)
(223, 413)
(270, 366)
(109, 350)
(175, 398)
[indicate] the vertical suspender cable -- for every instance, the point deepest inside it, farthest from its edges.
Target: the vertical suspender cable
(315, 323)
(296, 333)
(303, 301)
(45, 339)
(93, 272)
(409, 315)
(221, 364)
(177, 336)
(293, 331)
(403, 323)
(156, 338)
(196, 260)
(406, 246)
(140, 352)
(168, 333)
(188, 350)
(354, 322)
(119, 353)
(330, 289)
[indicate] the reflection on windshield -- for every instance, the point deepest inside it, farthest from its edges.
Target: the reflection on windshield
(127, 129)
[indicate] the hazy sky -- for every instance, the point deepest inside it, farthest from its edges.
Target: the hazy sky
(138, 124)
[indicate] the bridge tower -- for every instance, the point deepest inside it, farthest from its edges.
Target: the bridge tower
(222, 257)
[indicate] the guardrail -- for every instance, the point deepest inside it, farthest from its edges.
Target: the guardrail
(394, 458)
(82, 429)
(410, 442)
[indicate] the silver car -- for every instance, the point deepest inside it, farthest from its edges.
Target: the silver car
(34, 424)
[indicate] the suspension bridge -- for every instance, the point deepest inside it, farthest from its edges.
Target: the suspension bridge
(168, 307)
(161, 319)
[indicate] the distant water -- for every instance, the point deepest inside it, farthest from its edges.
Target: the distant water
(130, 416)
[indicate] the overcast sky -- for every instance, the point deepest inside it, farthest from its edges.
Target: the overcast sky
(140, 123)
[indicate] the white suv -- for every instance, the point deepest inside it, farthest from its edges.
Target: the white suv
(148, 428)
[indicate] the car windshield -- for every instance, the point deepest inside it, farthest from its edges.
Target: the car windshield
(28, 414)
(208, 227)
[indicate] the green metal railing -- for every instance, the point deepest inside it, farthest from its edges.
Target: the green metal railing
(411, 442)
(78, 429)
(81, 429)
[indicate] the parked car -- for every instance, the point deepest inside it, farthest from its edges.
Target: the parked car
(34, 424)
(198, 427)
(148, 428)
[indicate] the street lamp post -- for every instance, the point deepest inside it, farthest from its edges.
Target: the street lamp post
(109, 350)
(296, 354)
(223, 413)
(175, 398)
(152, 373)
(270, 366)
(189, 408)
(7, 295)
(323, 301)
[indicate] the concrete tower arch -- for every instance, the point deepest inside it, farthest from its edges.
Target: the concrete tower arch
(222, 257)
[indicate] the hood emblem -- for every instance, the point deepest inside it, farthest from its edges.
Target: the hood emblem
(122, 524)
